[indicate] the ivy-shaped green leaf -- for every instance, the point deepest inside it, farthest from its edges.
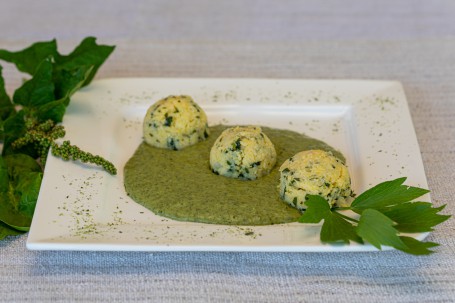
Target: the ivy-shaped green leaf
(6, 231)
(88, 54)
(28, 59)
(20, 181)
(38, 90)
(6, 107)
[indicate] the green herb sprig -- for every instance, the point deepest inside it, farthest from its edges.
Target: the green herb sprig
(380, 215)
(29, 122)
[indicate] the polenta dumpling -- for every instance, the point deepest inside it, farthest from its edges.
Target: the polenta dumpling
(314, 172)
(175, 122)
(242, 152)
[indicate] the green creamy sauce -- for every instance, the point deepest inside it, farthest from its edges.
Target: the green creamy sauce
(180, 184)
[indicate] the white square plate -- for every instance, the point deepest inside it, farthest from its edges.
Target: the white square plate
(81, 207)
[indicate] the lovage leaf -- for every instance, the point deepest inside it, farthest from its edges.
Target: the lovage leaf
(88, 54)
(28, 59)
(415, 217)
(386, 194)
(317, 209)
(385, 211)
(417, 247)
(378, 230)
(335, 228)
(39, 89)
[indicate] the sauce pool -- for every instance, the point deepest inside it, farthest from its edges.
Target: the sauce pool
(180, 184)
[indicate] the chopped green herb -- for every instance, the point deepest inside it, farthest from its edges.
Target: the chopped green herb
(236, 145)
(255, 164)
(168, 120)
(171, 144)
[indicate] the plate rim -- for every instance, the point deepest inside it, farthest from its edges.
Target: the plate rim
(34, 243)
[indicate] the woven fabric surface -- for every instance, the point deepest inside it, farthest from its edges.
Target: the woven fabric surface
(409, 41)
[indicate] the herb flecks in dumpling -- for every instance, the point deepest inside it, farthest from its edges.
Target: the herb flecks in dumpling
(242, 152)
(175, 122)
(314, 172)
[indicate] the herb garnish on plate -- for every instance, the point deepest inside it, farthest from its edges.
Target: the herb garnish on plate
(385, 210)
(29, 123)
